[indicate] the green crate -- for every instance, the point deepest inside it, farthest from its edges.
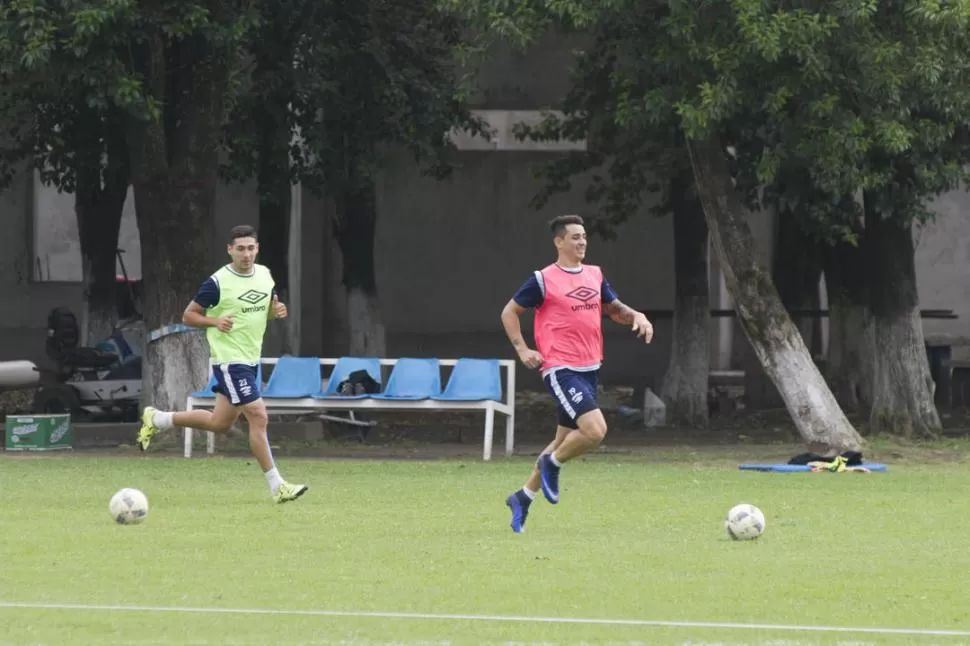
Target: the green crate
(39, 432)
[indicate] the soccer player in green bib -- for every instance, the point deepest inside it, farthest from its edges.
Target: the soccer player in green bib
(233, 306)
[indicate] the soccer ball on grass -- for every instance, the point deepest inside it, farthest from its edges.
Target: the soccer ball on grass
(128, 506)
(744, 522)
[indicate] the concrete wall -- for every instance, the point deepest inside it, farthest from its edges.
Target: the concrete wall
(514, 80)
(452, 253)
(56, 255)
(942, 260)
(25, 304)
(442, 283)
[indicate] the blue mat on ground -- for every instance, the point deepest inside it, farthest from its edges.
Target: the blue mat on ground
(799, 468)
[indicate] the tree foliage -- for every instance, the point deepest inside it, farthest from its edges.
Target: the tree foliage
(127, 55)
(818, 100)
(47, 115)
(359, 79)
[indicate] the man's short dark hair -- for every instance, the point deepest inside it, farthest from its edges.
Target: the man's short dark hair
(559, 223)
(242, 231)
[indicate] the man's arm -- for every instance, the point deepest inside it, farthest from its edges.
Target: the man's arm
(513, 327)
(529, 295)
(276, 310)
(206, 297)
(620, 312)
(273, 300)
(624, 314)
(194, 315)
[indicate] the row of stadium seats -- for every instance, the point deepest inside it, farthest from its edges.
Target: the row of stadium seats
(411, 379)
(297, 386)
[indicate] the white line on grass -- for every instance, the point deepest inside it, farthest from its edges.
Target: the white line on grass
(489, 618)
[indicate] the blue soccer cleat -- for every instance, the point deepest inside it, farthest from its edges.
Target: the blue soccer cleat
(520, 512)
(549, 473)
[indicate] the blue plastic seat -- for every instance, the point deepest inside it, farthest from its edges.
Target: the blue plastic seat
(208, 393)
(342, 370)
(473, 380)
(413, 379)
(294, 378)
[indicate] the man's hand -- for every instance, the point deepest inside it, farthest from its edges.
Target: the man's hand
(224, 323)
(530, 358)
(279, 309)
(642, 327)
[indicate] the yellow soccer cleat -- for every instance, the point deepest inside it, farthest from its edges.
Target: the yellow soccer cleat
(288, 492)
(148, 428)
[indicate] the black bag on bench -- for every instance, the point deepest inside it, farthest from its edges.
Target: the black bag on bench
(359, 382)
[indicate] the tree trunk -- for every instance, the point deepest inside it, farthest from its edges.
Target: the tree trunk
(99, 201)
(685, 385)
(796, 272)
(902, 395)
(355, 228)
(274, 218)
(851, 338)
(100, 306)
(772, 334)
(367, 338)
(175, 220)
(174, 168)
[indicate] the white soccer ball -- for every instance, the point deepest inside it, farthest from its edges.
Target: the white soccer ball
(128, 506)
(744, 522)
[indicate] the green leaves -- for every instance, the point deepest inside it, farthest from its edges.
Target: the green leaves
(820, 100)
(353, 79)
(83, 69)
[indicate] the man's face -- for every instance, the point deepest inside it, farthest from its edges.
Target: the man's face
(572, 244)
(243, 252)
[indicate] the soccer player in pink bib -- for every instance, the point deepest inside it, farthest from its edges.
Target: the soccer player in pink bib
(569, 298)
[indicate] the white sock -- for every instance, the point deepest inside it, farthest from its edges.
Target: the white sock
(530, 494)
(552, 458)
(274, 480)
(162, 420)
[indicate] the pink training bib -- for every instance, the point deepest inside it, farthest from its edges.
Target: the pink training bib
(568, 323)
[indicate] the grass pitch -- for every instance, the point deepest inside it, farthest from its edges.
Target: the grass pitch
(217, 562)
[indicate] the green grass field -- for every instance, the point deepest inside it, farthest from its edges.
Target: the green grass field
(634, 541)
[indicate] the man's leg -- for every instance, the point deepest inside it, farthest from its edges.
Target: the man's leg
(258, 420)
(576, 394)
(520, 501)
(586, 438)
(219, 420)
(535, 482)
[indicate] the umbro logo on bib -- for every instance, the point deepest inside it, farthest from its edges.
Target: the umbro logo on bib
(252, 297)
(583, 294)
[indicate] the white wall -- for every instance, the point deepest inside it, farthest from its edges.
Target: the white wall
(56, 246)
